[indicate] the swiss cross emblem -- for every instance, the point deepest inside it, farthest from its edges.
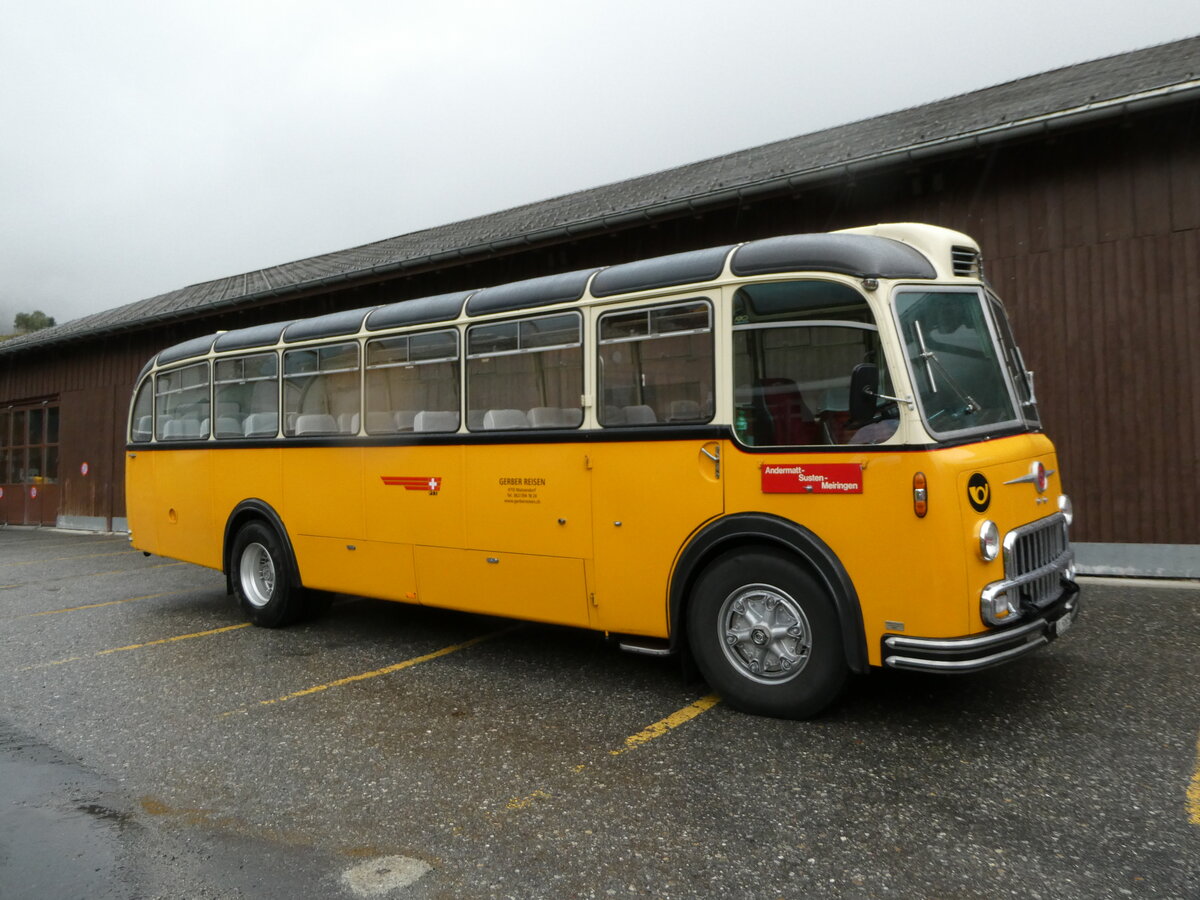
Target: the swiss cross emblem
(432, 484)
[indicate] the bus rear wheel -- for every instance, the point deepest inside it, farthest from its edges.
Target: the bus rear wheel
(766, 636)
(262, 579)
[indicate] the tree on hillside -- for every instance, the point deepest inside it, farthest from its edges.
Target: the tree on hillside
(32, 321)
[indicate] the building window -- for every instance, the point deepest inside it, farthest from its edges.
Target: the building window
(29, 445)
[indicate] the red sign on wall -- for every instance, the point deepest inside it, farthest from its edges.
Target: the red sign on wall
(812, 478)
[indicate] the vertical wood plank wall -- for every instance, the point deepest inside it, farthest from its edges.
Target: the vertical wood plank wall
(1091, 238)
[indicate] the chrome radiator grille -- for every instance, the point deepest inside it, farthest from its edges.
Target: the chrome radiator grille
(1035, 557)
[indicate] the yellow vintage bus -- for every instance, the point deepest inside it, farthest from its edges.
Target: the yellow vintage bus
(789, 459)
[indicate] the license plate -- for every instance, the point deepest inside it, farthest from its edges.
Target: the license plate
(1063, 625)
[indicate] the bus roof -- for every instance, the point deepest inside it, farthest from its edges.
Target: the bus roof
(854, 253)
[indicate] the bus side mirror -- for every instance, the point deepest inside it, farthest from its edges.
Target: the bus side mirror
(864, 388)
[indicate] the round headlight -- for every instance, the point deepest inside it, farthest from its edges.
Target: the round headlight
(989, 540)
(1065, 507)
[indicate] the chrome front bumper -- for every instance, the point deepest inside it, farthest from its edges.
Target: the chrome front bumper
(970, 654)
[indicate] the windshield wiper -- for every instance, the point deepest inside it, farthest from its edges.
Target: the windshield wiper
(931, 360)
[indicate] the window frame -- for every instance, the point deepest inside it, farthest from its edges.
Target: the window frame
(158, 412)
(649, 307)
(287, 425)
(28, 447)
(275, 378)
(407, 336)
(1018, 422)
(777, 325)
(579, 343)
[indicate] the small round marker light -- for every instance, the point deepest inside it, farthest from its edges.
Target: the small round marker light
(989, 540)
(1066, 508)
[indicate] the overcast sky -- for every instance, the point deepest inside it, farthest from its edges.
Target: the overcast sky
(151, 145)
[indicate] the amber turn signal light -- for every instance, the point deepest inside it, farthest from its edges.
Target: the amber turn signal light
(920, 495)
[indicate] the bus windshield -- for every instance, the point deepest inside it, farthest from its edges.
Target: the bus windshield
(954, 361)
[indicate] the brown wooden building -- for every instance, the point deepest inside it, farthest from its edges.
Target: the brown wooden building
(1082, 186)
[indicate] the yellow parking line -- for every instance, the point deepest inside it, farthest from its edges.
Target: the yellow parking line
(14, 541)
(647, 734)
(662, 726)
(170, 640)
(1193, 791)
(375, 673)
(54, 612)
(5, 587)
(38, 562)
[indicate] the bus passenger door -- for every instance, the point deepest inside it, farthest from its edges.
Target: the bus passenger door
(648, 497)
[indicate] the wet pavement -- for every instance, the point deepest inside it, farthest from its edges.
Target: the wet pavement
(57, 836)
(151, 745)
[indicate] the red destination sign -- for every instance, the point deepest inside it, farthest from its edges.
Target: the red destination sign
(812, 478)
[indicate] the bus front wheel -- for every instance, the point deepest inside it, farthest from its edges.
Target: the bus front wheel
(262, 579)
(766, 636)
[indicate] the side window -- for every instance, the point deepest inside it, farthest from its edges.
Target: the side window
(526, 373)
(320, 390)
(181, 408)
(656, 365)
(246, 396)
(412, 383)
(142, 424)
(795, 346)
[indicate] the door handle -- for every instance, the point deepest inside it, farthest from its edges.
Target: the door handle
(715, 456)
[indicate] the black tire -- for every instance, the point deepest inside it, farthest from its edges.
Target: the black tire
(780, 652)
(262, 577)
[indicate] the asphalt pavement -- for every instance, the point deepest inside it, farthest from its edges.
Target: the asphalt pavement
(154, 745)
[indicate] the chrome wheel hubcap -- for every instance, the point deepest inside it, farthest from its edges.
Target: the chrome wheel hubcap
(764, 633)
(257, 575)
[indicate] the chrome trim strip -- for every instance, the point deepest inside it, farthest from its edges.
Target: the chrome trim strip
(952, 645)
(1031, 478)
(1031, 636)
(645, 649)
(966, 665)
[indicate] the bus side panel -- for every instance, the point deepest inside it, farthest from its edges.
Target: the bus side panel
(323, 492)
(414, 495)
(141, 500)
(365, 568)
(182, 508)
(529, 499)
(537, 588)
(648, 497)
(244, 475)
(905, 569)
